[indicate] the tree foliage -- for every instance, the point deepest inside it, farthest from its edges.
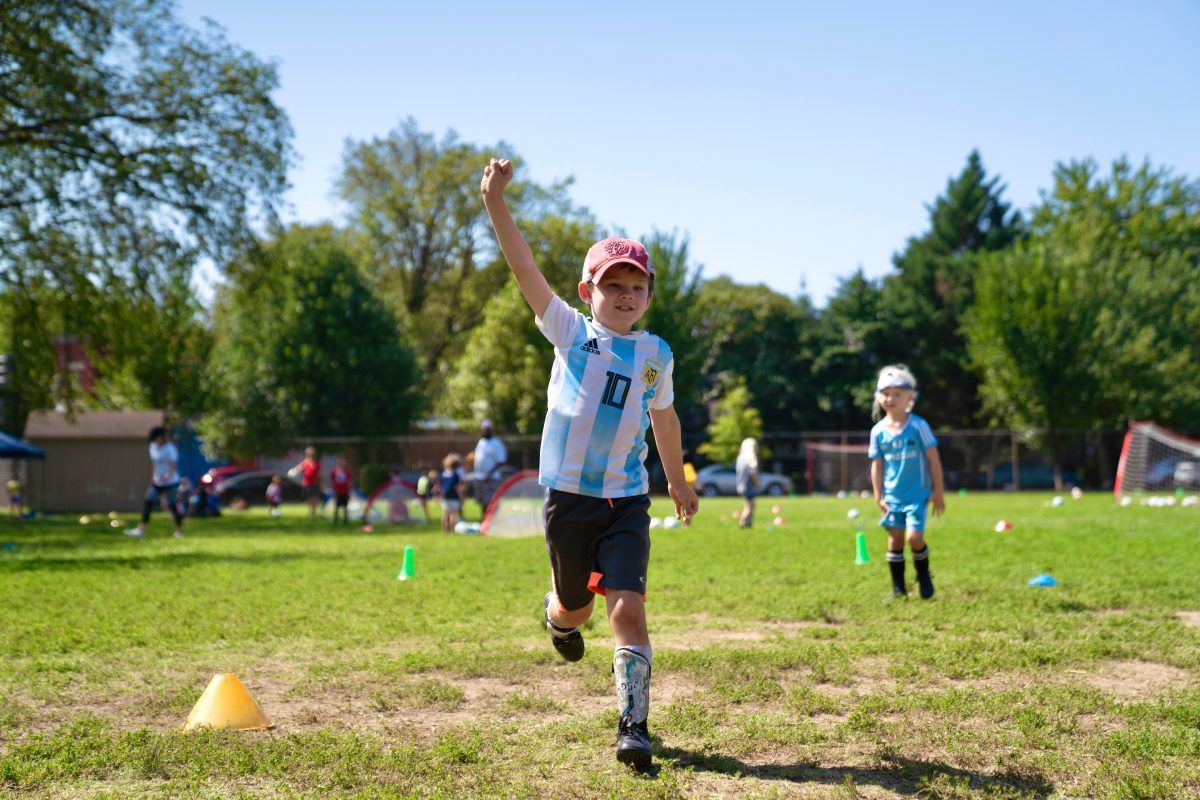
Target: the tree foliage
(933, 287)
(304, 349)
(418, 217)
(767, 338)
(853, 330)
(130, 146)
(734, 419)
(1096, 319)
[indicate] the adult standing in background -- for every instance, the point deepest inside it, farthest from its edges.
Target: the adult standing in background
(164, 485)
(308, 472)
(490, 455)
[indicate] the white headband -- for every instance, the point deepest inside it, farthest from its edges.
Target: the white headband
(891, 381)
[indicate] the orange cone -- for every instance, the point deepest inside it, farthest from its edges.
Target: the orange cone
(227, 704)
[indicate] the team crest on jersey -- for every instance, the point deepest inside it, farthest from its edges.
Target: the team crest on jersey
(650, 372)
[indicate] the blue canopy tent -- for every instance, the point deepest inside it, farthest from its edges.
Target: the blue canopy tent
(12, 447)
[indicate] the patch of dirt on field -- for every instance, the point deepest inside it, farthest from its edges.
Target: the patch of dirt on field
(1128, 680)
(1137, 680)
(1189, 618)
(702, 630)
(539, 698)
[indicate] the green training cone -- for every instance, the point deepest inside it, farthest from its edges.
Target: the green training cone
(861, 556)
(406, 571)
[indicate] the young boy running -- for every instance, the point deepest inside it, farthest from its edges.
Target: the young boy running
(607, 385)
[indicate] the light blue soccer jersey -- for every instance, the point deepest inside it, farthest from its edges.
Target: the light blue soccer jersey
(906, 477)
(602, 388)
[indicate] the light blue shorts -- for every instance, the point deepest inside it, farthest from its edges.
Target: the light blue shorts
(907, 517)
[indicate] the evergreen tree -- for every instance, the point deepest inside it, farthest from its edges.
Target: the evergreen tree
(853, 331)
(934, 286)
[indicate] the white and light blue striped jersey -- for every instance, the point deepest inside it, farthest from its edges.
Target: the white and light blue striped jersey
(602, 388)
(906, 478)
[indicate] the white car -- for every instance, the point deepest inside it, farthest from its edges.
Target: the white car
(718, 479)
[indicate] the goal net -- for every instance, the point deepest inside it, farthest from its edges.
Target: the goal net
(1155, 459)
(395, 502)
(835, 468)
(516, 508)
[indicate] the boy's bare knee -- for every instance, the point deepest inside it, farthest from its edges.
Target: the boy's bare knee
(570, 619)
(626, 607)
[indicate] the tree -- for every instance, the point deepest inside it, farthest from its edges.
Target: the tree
(1094, 320)
(1031, 335)
(768, 339)
(418, 217)
(130, 147)
(734, 420)
(326, 360)
(854, 330)
(1140, 228)
(934, 286)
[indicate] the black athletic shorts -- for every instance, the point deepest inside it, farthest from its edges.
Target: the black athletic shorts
(596, 544)
(343, 500)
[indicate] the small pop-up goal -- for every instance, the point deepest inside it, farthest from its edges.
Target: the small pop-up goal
(516, 508)
(1155, 459)
(395, 502)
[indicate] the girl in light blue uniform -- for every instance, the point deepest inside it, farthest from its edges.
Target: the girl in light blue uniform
(906, 475)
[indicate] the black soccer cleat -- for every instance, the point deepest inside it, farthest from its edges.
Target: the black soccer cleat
(899, 593)
(925, 580)
(570, 646)
(633, 744)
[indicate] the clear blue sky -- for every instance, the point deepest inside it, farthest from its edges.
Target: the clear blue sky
(793, 142)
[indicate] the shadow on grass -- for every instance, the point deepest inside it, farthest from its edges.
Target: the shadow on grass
(60, 550)
(901, 775)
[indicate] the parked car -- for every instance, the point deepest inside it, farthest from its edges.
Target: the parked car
(1033, 475)
(251, 487)
(217, 474)
(1173, 471)
(718, 479)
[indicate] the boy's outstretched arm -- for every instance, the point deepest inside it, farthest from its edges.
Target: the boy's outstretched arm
(670, 451)
(496, 176)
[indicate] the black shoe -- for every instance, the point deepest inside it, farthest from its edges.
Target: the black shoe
(899, 593)
(633, 744)
(926, 582)
(570, 647)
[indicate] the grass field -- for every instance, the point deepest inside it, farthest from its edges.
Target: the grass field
(779, 669)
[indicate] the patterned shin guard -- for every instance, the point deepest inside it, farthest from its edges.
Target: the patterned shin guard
(632, 673)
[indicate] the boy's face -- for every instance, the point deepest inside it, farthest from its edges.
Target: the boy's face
(619, 298)
(895, 400)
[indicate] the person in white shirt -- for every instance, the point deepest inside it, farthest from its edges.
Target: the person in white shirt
(164, 484)
(490, 455)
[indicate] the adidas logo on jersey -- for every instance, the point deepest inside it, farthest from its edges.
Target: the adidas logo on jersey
(591, 346)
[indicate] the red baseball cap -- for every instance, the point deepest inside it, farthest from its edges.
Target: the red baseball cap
(615, 250)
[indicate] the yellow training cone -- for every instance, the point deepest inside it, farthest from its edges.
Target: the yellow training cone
(227, 704)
